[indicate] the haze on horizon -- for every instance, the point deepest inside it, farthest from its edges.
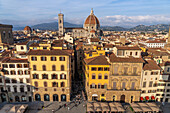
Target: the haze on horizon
(125, 13)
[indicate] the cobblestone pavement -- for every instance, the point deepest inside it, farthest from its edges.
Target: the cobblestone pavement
(166, 108)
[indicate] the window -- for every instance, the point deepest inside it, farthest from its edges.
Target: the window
(4, 65)
(14, 81)
(125, 70)
(44, 76)
(27, 72)
(150, 84)
(54, 76)
(93, 86)
(45, 84)
(114, 85)
(11, 65)
(28, 88)
(36, 84)
(54, 84)
(115, 70)
(93, 76)
(99, 85)
(53, 68)
(34, 58)
(26, 66)
(63, 76)
(93, 68)
(15, 89)
(100, 76)
(22, 47)
(28, 80)
(145, 73)
(133, 85)
(21, 88)
(34, 67)
(35, 76)
(100, 69)
(44, 48)
(43, 58)
(130, 53)
(106, 69)
(43, 67)
(105, 76)
(7, 80)
(134, 70)
(136, 53)
(6, 72)
(168, 90)
(144, 84)
(53, 58)
(13, 72)
(62, 58)
(20, 72)
(0, 80)
(62, 84)
(21, 80)
(62, 67)
(123, 85)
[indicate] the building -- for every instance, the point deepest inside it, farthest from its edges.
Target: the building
(167, 46)
(17, 79)
(91, 27)
(50, 74)
(6, 34)
(150, 79)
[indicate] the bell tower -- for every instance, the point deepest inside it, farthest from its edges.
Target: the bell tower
(61, 24)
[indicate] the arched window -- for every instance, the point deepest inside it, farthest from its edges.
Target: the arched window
(45, 84)
(36, 84)
(100, 76)
(55, 97)
(105, 76)
(63, 97)
(23, 98)
(54, 76)
(45, 76)
(53, 68)
(46, 97)
(93, 76)
(63, 76)
(44, 68)
(62, 67)
(37, 97)
(22, 47)
(62, 84)
(99, 86)
(22, 88)
(17, 98)
(54, 84)
(105, 86)
(93, 86)
(35, 76)
(20, 72)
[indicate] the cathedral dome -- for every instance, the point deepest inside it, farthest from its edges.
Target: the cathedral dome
(91, 19)
(27, 28)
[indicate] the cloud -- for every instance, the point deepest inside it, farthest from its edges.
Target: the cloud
(129, 21)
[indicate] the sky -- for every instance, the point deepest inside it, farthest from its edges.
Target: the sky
(125, 13)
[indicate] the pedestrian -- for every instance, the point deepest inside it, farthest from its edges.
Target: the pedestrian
(68, 108)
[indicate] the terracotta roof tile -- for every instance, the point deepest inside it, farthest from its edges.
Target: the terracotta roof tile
(99, 60)
(151, 65)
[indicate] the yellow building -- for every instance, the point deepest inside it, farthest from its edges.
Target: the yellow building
(50, 74)
(96, 71)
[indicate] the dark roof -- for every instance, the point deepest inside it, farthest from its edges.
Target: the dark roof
(99, 60)
(22, 43)
(34, 45)
(114, 58)
(94, 39)
(151, 65)
(128, 48)
(14, 60)
(48, 52)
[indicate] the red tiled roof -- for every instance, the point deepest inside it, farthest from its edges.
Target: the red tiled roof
(99, 60)
(151, 65)
(114, 58)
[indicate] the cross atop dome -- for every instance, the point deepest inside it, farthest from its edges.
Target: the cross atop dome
(91, 11)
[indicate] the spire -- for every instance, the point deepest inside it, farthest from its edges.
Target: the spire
(91, 11)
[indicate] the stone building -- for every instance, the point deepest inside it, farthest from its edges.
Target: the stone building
(17, 79)
(91, 27)
(6, 34)
(50, 74)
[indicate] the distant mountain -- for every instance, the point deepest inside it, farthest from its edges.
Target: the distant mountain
(54, 26)
(158, 27)
(114, 28)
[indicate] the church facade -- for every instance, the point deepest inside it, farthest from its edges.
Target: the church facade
(91, 27)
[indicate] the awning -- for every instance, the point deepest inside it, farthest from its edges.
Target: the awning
(152, 97)
(141, 98)
(147, 98)
(95, 95)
